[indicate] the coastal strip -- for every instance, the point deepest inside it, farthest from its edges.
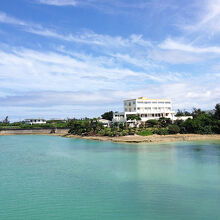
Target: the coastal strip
(58, 132)
(151, 138)
(121, 139)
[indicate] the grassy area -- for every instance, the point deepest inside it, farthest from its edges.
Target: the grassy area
(20, 125)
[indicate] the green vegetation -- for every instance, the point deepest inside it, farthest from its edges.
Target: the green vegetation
(133, 117)
(108, 115)
(145, 133)
(183, 113)
(22, 125)
(201, 123)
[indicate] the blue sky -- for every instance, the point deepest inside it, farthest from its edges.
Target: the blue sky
(77, 58)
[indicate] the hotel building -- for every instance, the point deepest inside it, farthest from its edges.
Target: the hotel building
(146, 109)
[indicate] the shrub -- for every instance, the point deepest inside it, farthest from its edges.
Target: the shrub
(151, 123)
(173, 129)
(145, 133)
(164, 122)
(206, 130)
(163, 131)
(124, 133)
(133, 117)
(216, 127)
(131, 131)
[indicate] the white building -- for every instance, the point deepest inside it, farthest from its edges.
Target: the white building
(105, 122)
(34, 121)
(146, 109)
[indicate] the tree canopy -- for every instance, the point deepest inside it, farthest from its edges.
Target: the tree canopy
(108, 115)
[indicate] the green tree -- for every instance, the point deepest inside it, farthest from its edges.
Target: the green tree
(197, 112)
(217, 112)
(133, 117)
(108, 115)
(164, 122)
(173, 129)
(151, 123)
(179, 113)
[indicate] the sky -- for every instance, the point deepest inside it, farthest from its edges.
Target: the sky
(78, 58)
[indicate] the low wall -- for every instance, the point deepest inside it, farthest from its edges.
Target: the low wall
(58, 131)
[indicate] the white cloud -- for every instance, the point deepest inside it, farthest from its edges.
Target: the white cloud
(170, 44)
(175, 57)
(58, 2)
(86, 37)
(4, 18)
(53, 79)
(207, 18)
(26, 70)
(89, 37)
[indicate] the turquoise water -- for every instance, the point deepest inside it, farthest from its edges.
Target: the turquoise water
(46, 177)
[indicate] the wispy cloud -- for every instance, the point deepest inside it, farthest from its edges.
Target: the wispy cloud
(58, 2)
(25, 69)
(85, 37)
(4, 18)
(89, 70)
(170, 44)
(104, 4)
(206, 18)
(89, 37)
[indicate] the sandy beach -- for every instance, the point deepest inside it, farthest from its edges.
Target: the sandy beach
(123, 139)
(150, 139)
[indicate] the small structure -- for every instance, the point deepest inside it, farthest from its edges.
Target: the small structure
(34, 121)
(183, 118)
(105, 122)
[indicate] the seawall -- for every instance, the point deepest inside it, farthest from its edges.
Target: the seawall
(59, 131)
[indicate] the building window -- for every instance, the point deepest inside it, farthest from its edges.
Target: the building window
(134, 103)
(126, 109)
(138, 108)
(160, 102)
(167, 102)
(154, 102)
(147, 102)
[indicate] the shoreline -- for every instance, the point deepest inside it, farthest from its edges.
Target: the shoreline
(150, 139)
(121, 139)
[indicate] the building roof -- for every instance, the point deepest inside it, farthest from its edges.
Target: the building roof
(144, 98)
(103, 120)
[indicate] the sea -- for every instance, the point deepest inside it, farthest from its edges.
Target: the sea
(48, 177)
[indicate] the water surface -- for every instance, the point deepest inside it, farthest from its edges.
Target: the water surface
(47, 177)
